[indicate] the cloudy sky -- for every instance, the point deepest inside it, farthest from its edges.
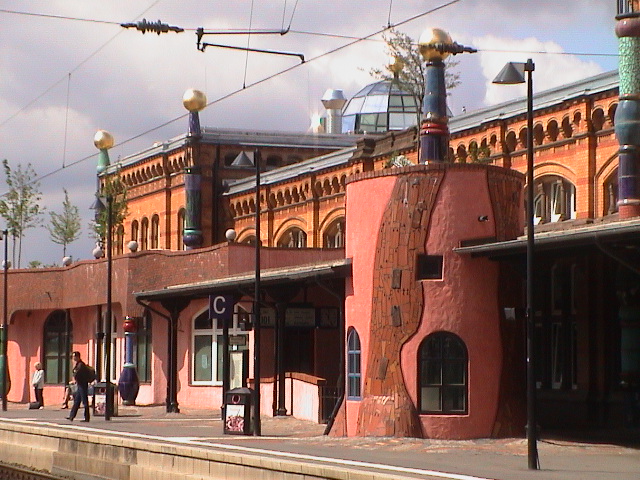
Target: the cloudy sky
(68, 69)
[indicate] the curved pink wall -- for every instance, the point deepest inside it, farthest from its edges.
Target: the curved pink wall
(464, 302)
(363, 219)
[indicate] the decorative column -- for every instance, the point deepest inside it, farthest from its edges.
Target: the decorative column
(103, 141)
(627, 118)
(194, 101)
(129, 384)
(435, 46)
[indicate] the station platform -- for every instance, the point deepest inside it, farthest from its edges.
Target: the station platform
(146, 442)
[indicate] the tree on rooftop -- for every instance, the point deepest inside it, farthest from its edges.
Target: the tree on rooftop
(116, 189)
(19, 206)
(64, 228)
(411, 78)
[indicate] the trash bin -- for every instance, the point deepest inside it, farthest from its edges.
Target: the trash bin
(100, 399)
(237, 412)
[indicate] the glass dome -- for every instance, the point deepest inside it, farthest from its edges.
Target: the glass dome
(380, 107)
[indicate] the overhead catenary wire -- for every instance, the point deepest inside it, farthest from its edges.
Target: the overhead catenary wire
(246, 58)
(77, 67)
(66, 122)
(354, 40)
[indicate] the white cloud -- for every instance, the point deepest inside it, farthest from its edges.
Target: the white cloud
(552, 69)
(129, 83)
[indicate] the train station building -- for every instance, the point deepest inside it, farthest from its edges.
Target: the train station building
(392, 289)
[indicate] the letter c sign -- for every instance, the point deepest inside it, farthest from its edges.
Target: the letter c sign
(221, 307)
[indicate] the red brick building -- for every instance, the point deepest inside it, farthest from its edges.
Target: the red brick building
(462, 229)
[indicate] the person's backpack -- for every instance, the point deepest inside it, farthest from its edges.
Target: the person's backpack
(91, 374)
(86, 374)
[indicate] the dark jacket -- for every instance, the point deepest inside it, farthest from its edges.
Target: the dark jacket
(81, 374)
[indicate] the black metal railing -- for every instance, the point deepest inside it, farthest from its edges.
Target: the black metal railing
(328, 399)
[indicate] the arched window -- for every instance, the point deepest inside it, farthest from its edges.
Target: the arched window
(334, 235)
(442, 375)
(143, 347)
(511, 142)
(538, 134)
(555, 200)
(144, 234)
(293, 238)
(522, 137)
(134, 230)
(597, 119)
(208, 347)
(461, 153)
(181, 220)
(354, 376)
(553, 130)
(611, 194)
(155, 232)
(567, 128)
(58, 338)
(120, 240)
(250, 240)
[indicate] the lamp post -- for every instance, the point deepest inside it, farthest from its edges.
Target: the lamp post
(257, 429)
(4, 364)
(513, 73)
(104, 141)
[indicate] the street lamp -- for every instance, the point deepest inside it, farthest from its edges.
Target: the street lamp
(4, 364)
(257, 429)
(104, 141)
(100, 206)
(513, 73)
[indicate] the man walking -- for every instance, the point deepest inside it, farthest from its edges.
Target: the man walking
(81, 374)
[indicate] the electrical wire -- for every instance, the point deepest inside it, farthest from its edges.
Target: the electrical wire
(66, 122)
(293, 12)
(266, 79)
(77, 67)
(246, 57)
(576, 54)
(58, 17)
(284, 11)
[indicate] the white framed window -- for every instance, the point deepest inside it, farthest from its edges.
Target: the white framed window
(554, 200)
(207, 347)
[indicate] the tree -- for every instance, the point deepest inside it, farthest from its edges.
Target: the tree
(64, 227)
(20, 207)
(115, 189)
(411, 78)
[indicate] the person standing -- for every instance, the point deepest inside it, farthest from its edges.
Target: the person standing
(81, 375)
(38, 384)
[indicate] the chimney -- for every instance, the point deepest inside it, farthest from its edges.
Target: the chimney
(333, 101)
